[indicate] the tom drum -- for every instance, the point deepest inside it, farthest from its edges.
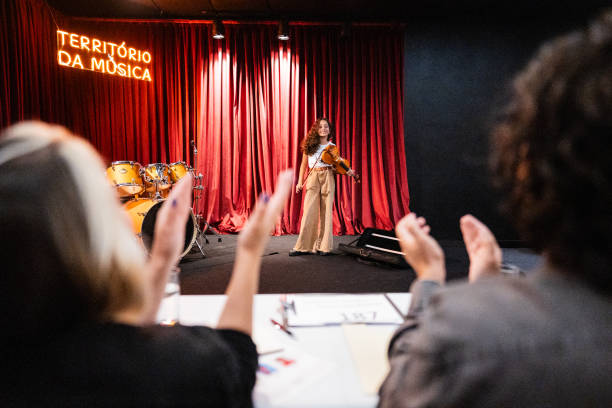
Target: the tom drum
(125, 176)
(179, 170)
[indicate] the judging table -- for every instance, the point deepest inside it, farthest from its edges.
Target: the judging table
(327, 374)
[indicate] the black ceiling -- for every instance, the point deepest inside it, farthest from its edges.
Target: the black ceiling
(319, 10)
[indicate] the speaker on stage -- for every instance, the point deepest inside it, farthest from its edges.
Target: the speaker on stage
(377, 246)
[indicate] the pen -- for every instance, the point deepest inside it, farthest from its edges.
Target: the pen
(287, 305)
(281, 327)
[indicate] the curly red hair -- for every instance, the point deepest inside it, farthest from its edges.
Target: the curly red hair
(310, 143)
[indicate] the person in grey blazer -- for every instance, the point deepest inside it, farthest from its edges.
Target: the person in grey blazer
(544, 340)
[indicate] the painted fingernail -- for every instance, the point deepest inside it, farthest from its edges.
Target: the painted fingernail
(264, 197)
(174, 203)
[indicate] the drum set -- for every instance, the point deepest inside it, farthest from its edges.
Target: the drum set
(143, 190)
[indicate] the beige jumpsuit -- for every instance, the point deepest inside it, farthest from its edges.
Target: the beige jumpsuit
(316, 230)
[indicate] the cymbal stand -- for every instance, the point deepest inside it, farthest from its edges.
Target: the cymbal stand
(197, 190)
(199, 217)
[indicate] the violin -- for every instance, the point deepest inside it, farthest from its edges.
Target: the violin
(331, 156)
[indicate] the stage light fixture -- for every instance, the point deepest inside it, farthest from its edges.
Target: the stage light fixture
(218, 30)
(283, 30)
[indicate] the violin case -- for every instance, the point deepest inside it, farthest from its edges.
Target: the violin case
(376, 246)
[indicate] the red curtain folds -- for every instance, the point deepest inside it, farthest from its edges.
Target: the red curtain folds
(246, 101)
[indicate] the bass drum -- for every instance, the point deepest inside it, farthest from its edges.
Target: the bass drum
(143, 214)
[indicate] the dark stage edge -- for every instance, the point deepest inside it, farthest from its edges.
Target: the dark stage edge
(342, 273)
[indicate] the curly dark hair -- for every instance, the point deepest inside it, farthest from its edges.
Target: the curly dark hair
(552, 153)
(311, 141)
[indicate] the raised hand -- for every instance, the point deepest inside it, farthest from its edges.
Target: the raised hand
(420, 250)
(168, 241)
(237, 313)
(482, 248)
(169, 236)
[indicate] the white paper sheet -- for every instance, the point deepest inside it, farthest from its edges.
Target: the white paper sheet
(320, 310)
(283, 376)
(368, 346)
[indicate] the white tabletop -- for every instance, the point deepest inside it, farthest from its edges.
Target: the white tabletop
(331, 379)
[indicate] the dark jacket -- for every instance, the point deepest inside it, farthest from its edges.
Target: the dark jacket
(112, 365)
(540, 341)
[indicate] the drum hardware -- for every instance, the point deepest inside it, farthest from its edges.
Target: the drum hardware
(198, 188)
(199, 243)
(197, 183)
(157, 178)
(200, 234)
(157, 194)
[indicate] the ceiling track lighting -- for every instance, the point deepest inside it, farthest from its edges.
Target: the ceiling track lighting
(218, 30)
(283, 30)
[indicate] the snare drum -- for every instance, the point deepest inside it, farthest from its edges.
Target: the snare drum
(179, 170)
(156, 177)
(125, 176)
(143, 214)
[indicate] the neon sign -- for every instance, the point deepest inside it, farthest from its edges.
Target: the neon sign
(102, 56)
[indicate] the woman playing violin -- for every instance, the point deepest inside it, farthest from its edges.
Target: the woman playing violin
(316, 237)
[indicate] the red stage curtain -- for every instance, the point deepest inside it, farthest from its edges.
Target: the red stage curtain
(246, 101)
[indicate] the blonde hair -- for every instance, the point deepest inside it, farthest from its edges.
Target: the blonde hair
(107, 268)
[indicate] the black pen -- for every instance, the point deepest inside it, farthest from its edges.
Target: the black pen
(281, 327)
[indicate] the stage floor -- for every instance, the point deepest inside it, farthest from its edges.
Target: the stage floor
(342, 273)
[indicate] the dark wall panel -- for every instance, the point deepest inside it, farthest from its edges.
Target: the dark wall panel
(456, 79)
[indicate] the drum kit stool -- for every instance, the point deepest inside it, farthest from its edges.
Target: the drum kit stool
(143, 190)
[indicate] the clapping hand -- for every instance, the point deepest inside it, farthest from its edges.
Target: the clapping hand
(237, 313)
(420, 250)
(168, 241)
(482, 248)
(169, 235)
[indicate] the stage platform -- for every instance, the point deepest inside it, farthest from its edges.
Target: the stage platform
(341, 273)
